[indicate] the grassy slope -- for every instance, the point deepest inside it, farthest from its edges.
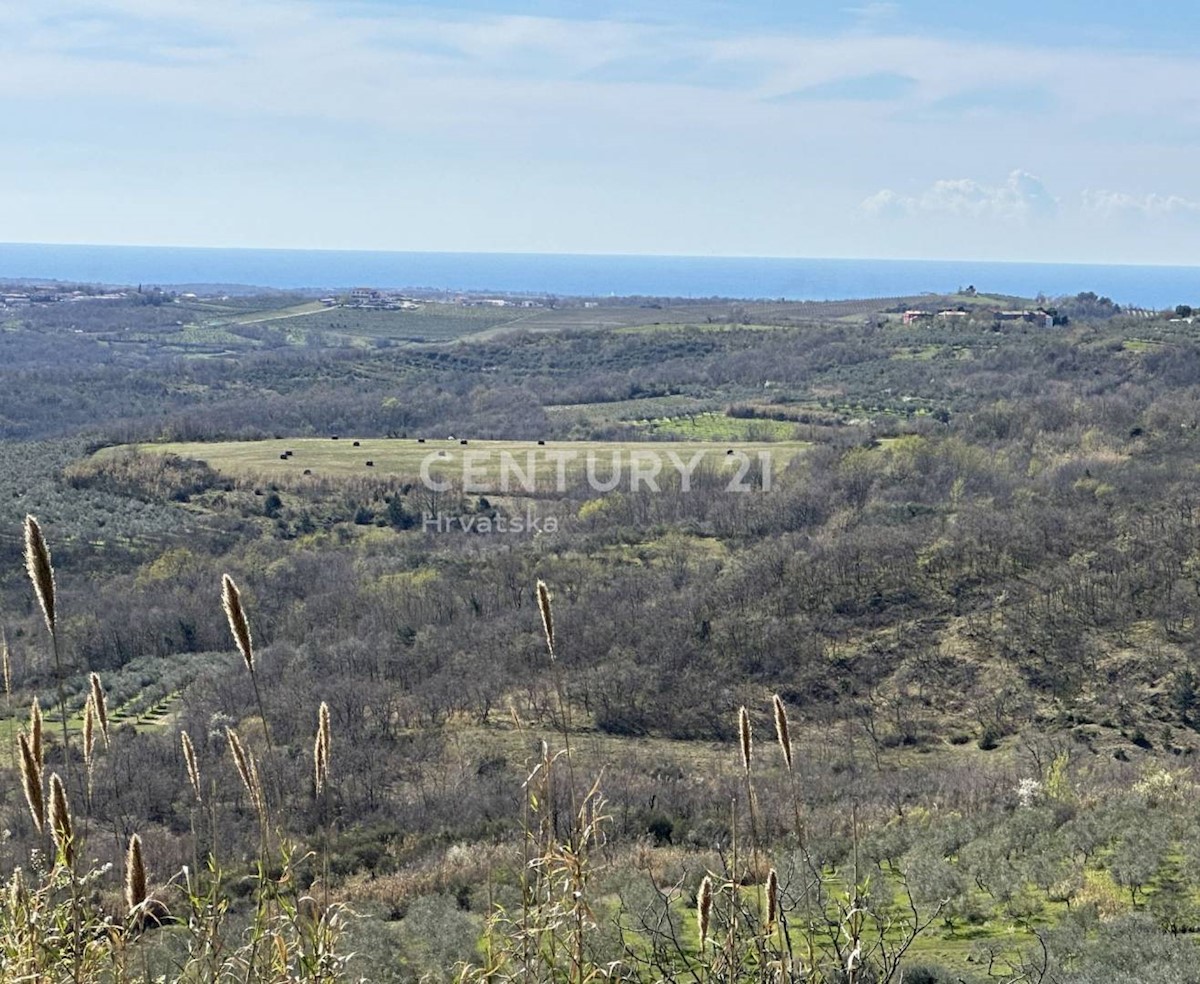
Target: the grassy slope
(403, 458)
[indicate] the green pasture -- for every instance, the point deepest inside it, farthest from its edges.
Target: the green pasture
(487, 465)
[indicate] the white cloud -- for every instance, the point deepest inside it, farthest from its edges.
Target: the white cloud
(1020, 196)
(1111, 204)
(876, 15)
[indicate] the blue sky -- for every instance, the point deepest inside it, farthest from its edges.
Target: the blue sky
(1058, 131)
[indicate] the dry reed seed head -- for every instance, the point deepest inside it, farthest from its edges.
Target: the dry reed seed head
(135, 874)
(231, 601)
(16, 891)
(100, 706)
(318, 764)
(781, 729)
(31, 782)
(189, 760)
(325, 731)
(35, 734)
(248, 772)
(240, 759)
(745, 737)
(60, 819)
(543, 594)
(704, 900)
(256, 790)
(772, 898)
(6, 657)
(89, 731)
(41, 572)
(321, 747)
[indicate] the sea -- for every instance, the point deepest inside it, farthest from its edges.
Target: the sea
(579, 275)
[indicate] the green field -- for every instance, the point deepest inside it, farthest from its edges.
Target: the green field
(487, 464)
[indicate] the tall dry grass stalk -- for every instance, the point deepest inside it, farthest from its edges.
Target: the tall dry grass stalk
(100, 706)
(231, 601)
(746, 743)
(704, 902)
(247, 770)
(6, 657)
(31, 782)
(239, 758)
(745, 738)
(17, 893)
(772, 898)
(781, 729)
(321, 748)
(239, 625)
(41, 572)
(543, 596)
(189, 760)
(41, 575)
(60, 820)
(560, 690)
(35, 734)
(89, 735)
(135, 875)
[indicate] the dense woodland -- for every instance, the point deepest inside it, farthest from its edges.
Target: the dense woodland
(977, 593)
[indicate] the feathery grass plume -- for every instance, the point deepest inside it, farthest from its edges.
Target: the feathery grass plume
(231, 601)
(240, 759)
(7, 660)
(318, 764)
(60, 819)
(16, 892)
(256, 789)
(324, 729)
(321, 748)
(100, 706)
(744, 736)
(135, 875)
(248, 771)
(543, 594)
(31, 781)
(35, 734)
(772, 898)
(41, 573)
(781, 729)
(189, 760)
(704, 901)
(89, 732)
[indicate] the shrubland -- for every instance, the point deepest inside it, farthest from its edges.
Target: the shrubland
(974, 595)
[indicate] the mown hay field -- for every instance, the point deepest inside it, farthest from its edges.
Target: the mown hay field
(490, 465)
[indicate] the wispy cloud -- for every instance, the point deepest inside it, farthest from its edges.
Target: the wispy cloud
(1020, 196)
(1110, 204)
(997, 99)
(877, 15)
(876, 86)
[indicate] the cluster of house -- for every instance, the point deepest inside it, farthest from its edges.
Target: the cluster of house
(1039, 317)
(470, 301)
(373, 299)
(386, 300)
(54, 295)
